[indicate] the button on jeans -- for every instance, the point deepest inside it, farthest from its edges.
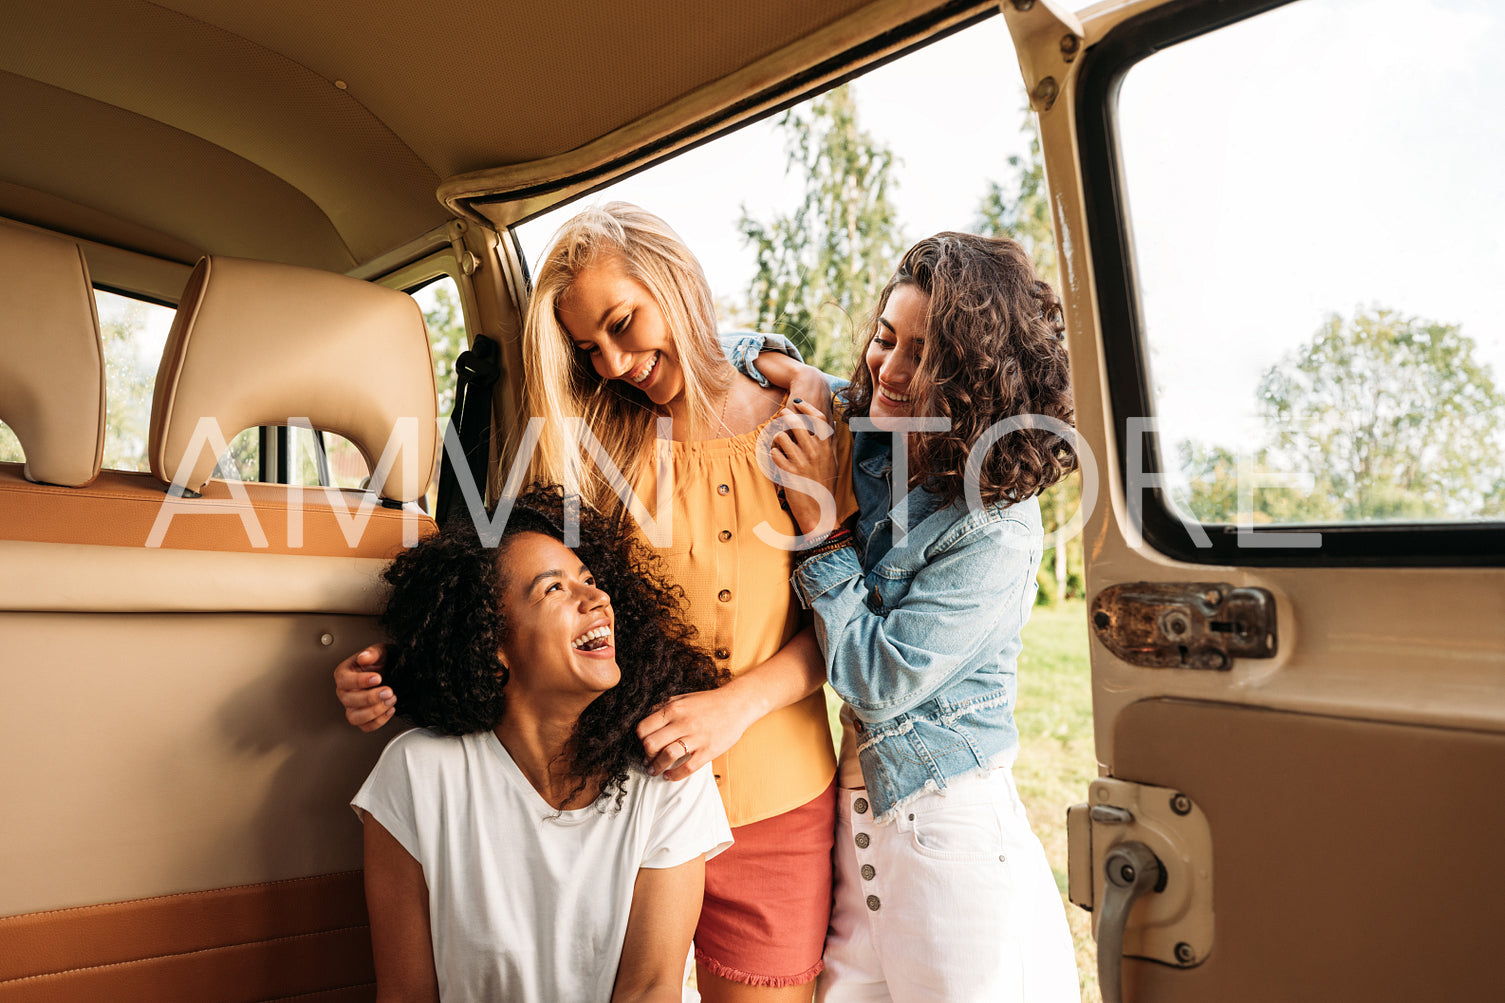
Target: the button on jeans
(952, 900)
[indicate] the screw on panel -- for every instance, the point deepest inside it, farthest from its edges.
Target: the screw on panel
(1213, 597)
(1045, 94)
(1175, 623)
(1023, 5)
(1185, 954)
(1180, 804)
(1069, 46)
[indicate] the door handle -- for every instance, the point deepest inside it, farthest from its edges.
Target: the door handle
(1132, 870)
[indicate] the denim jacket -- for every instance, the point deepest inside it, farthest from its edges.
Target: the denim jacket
(920, 629)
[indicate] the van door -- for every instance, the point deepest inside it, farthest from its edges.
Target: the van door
(1278, 225)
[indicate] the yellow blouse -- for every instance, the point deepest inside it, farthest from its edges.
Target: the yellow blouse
(739, 598)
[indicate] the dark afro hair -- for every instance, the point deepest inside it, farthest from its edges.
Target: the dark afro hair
(446, 625)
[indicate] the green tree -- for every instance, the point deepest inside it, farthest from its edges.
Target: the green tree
(822, 267)
(10, 446)
(1392, 416)
(242, 461)
(446, 324)
(1020, 209)
(129, 378)
(1212, 472)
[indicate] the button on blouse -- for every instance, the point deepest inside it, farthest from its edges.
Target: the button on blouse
(739, 600)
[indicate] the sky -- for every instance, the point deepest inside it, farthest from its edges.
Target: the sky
(1334, 155)
(1326, 157)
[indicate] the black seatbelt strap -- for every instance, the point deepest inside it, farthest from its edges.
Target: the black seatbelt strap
(476, 373)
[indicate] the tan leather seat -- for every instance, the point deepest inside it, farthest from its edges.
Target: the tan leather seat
(256, 343)
(52, 374)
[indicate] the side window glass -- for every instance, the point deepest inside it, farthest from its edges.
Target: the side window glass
(133, 333)
(242, 461)
(440, 302)
(10, 446)
(443, 314)
(1315, 241)
(325, 459)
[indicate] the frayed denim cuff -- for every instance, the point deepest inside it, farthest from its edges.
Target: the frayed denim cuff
(742, 349)
(816, 576)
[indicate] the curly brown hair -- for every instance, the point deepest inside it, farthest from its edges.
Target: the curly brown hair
(446, 624)
(993, 349)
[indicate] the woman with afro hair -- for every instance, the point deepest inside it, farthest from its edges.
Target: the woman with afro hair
(515, 846)
(626, 372)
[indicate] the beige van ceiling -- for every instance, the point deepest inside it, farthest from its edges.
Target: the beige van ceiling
(317, 132)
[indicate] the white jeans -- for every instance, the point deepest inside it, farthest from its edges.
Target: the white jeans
(952, 900)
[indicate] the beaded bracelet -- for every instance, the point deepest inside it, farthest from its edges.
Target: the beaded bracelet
(833, 542)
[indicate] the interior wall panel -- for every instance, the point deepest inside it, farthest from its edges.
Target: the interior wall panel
(1352, 859)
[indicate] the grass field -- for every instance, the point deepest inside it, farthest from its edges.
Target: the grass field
(1056, 761)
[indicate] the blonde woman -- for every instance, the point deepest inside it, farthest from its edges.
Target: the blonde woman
(621, 332)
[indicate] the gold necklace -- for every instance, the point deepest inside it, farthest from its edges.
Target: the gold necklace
(721, 417)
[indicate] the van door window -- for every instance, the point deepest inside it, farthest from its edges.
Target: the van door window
(1312, 267)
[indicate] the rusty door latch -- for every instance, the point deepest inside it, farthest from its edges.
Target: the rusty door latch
(1181, 625)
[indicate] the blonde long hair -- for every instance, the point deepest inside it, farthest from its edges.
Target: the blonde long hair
(560, 383)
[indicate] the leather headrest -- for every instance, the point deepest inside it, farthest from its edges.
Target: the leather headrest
(52, 373)
(256, 343)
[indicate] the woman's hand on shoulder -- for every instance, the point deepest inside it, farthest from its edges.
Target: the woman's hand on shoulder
(368, 704)
(812, 386)
(801, 452)
(690, 730)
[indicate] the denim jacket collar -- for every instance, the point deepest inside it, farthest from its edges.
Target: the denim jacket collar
(878, 512)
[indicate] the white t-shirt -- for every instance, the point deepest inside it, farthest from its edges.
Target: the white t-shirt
(526, 902)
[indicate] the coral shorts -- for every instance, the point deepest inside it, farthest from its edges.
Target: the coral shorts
(768, 898)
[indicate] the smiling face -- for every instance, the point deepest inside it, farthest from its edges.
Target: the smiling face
(893, 354)
(561, 646)
(615, 320)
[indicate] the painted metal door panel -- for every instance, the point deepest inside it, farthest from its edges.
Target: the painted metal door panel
(1345, 779)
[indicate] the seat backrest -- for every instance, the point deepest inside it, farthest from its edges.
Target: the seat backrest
(256, 343)
(52, 372)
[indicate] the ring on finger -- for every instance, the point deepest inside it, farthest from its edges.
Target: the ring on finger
(683, 747)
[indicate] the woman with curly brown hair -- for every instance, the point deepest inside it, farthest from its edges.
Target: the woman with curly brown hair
(516, 848)
(942, 890)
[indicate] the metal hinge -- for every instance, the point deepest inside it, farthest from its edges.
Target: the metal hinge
(1184, 625)
(1047, 38)
(1139, 858)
